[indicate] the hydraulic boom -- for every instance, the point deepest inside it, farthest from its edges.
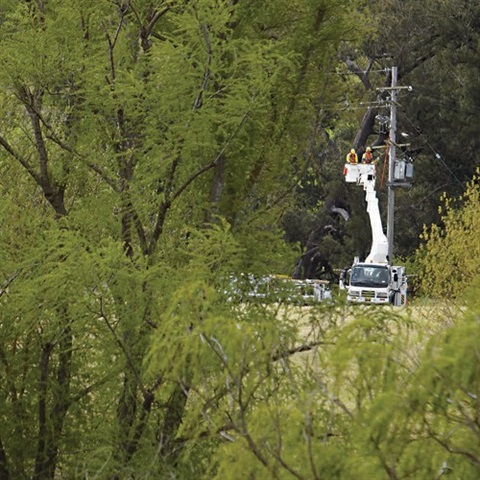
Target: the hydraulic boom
(374, 280)
(364, 175)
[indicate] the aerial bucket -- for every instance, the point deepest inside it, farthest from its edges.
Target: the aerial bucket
(363, 173)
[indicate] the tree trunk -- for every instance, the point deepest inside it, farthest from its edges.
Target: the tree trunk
(51, 420)
(4, 472)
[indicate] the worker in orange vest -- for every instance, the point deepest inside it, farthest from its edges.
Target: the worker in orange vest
(367, 157)
(352, 156)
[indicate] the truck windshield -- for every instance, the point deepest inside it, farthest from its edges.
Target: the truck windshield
(369, 276)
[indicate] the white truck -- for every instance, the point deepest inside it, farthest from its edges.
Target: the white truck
(373, 281)
(277, 288)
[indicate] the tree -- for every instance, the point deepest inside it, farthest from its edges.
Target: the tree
(151, 143)
(448, 258)
(376, 398)
(152, 149)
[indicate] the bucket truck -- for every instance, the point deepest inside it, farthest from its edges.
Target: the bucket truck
(375, 280)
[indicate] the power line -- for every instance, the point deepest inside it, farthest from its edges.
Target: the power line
(436, 154)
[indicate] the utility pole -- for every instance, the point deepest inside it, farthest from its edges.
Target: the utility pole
(397, 173)
(392, 140)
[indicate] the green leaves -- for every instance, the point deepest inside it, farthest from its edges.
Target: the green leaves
(449, 257)
(147, 153)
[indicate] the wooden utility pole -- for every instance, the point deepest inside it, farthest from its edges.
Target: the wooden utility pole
(392, 140)
(397, 173)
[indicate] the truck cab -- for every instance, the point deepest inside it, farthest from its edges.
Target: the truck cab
(375, 283)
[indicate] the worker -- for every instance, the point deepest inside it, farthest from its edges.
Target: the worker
(367, 157)
(352, 156)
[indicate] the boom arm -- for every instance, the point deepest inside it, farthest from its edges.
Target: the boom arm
(364, 174)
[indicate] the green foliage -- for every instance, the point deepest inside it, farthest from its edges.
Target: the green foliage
(434, 46)
(148, 152)
(449, 257)
(373, 401)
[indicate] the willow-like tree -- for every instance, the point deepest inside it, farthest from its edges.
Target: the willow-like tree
(146, 154)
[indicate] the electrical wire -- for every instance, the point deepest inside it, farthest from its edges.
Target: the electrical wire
(384, 104)
(437, 156)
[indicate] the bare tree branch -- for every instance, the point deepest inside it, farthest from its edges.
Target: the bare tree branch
(306, 347)
(361, 74)
(23, 161)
